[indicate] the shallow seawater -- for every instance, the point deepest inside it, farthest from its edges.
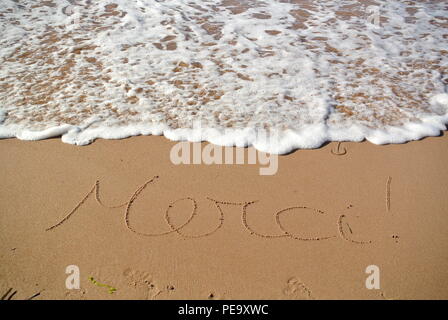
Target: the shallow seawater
(275, 74)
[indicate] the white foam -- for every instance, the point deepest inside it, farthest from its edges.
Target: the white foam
(306, 74)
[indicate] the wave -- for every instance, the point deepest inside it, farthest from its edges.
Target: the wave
(302, 71)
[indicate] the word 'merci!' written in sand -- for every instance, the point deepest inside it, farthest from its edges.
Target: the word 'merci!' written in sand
(343, 228)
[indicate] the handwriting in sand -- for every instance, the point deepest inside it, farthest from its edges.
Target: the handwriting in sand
(341, 223)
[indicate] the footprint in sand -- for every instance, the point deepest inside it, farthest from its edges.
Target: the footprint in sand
(142, 282)
(297, 290)
(76, 294)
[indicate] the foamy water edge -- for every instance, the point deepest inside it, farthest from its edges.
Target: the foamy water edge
(242, 75)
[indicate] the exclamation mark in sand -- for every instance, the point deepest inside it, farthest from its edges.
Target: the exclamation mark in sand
(389, 181)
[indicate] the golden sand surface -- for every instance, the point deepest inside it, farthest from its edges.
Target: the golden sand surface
(145, 228)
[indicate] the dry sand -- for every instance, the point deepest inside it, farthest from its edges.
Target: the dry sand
(378, 205)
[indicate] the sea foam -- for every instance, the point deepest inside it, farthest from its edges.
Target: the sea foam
(304, 71)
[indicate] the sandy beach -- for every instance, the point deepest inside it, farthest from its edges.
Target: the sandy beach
(98, 200)
(223, 231)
